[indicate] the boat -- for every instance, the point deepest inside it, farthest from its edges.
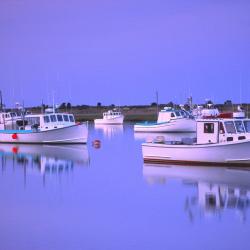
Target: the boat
(169, 120)
(209, 111)
(50, 127)
(111, 117)
(219, 141)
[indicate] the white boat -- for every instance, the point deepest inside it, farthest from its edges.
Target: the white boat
(169, 120)
(211, 112)
(219, 141)
(45, 128)
(111, 117)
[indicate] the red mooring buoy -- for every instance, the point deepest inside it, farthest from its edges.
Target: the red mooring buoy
(96, 143)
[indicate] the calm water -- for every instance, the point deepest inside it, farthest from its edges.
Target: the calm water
(81, 197)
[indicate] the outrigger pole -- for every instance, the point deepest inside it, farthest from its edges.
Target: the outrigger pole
(1, 108)
(1, 101)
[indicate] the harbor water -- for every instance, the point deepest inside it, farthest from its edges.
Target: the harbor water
(102, 196)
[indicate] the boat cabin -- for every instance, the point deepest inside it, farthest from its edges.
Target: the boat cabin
(49, 121)
(111, 114)
(8, 116)
(8, 120)
(222, 130)
(168, 114)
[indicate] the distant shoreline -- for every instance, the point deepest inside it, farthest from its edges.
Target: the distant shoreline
(134, 113)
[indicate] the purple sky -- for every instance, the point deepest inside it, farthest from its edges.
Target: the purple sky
(121, 52)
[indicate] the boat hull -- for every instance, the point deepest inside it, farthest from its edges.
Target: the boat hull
(71, 135)
(176, 125)
(207, 154)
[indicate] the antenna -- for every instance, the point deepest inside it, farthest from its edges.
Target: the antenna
(42, 108)
(157, 108)
(240, 90)
(1, 101)
(53, 101)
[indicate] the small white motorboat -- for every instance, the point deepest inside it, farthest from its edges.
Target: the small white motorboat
(219, 141)
(169, 120)
(111, 117)
(47, 128)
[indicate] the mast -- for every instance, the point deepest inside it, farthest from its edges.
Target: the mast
(157, 105)
(2, 120)
(1, 101)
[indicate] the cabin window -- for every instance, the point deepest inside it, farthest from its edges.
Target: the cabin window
(239, 126)
(177, 114)
(71, 118)
(33, 120)
(53, 118)
(172, 115)
(230, 127)
(66, 118)
(209, 128)
(247, 126)
(241, 137)
(59, 118)
(184, 114)
(46, 119)
(222, 130)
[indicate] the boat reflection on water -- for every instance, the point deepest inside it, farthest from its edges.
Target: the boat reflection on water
(109, 130)
(218, 188)
(45, 159)
(149, 137)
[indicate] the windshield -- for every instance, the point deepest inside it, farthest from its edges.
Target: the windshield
(239, 126)
(46, 119)
(66, 118)
(71, 118)
(230, 127)
(247, 126)
(53, 118)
